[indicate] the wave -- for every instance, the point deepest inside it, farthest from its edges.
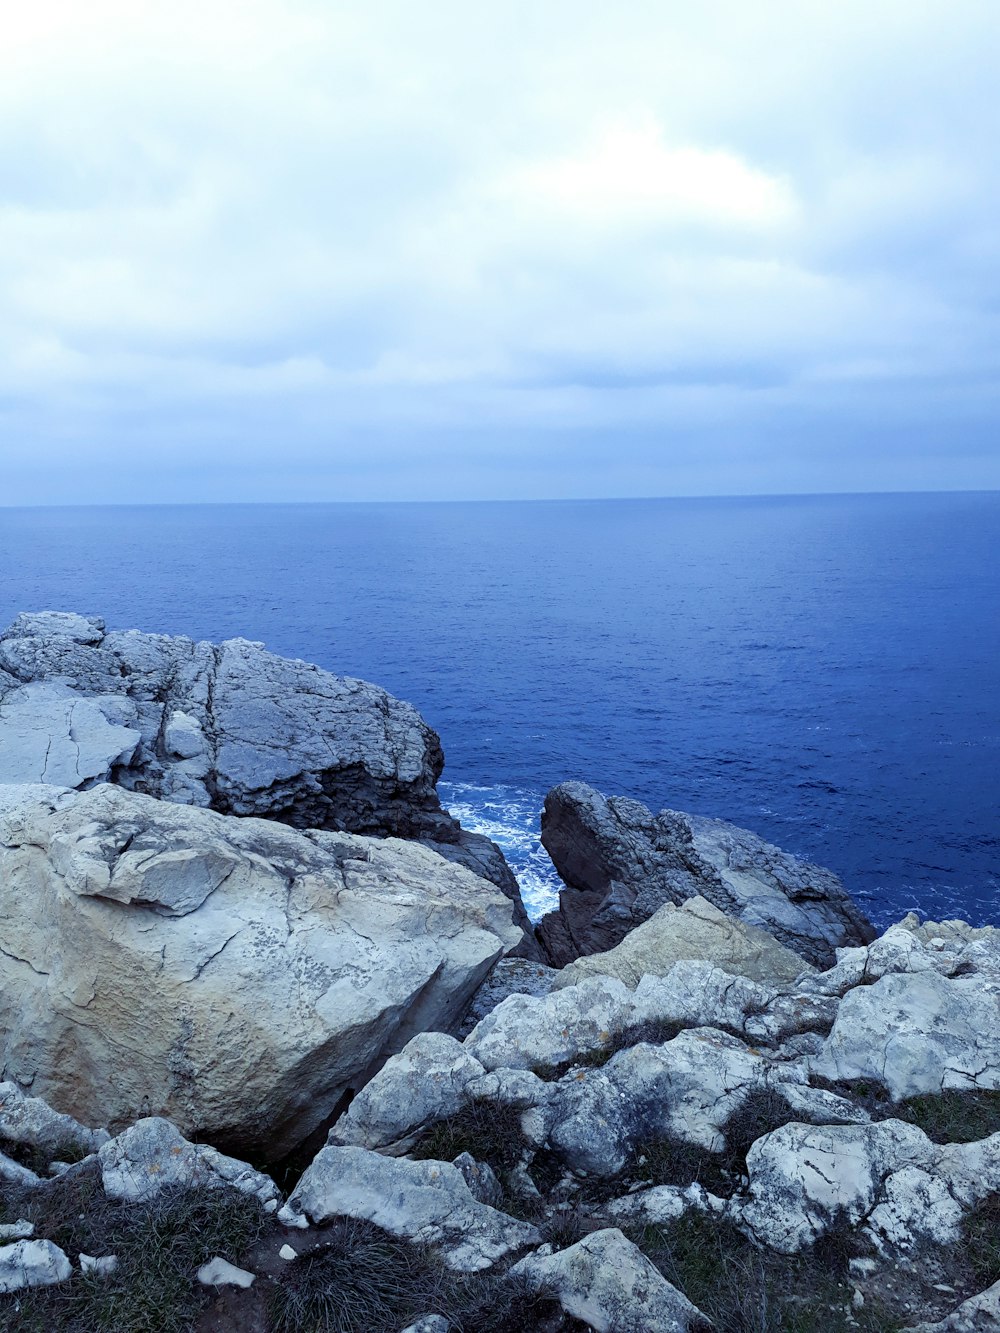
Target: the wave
(511, 817)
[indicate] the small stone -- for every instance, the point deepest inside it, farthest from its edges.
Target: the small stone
(220, 1273)
(99, 1267)
(17, 1230)
(32, 1263)
(287, 1253)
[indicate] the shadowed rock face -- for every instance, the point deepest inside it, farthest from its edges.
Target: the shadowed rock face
(229, 726)
(621, 863)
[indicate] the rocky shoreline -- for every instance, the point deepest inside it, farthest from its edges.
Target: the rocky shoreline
(282, 1051)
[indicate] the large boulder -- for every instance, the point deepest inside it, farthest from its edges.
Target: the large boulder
(696, 930)
(235, 975)
(621, 864)
(229, 726)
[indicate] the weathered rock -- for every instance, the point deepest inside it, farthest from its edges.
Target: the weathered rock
(886, 1179)
(103, 1266)
(229, 726)
(481, 1179)
(235, 975)
(538, 1032)
(430, 1323)
(695, 930)
(152, 1156)
(20, 1230)
(510, 976)
(32, 1263)
(608, 1283)
(425, 1202)
(32, 1122)
(219, 1272)
(661, 1204)
(425, 1082)
(979, 1314)
(621, 864)
(917, 1032)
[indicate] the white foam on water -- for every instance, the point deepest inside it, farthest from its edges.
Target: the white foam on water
(511, 817)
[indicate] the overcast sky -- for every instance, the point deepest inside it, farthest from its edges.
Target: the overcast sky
(277, 249)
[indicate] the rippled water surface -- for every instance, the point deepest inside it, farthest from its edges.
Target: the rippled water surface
(824, 670)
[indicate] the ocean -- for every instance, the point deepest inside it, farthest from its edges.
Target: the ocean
(824, 670)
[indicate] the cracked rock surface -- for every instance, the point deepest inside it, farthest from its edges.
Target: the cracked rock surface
(238, 976)
(228, 726)
(621, 863)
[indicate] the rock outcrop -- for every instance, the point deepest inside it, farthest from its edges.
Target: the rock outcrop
(236, 975)
(621, 864)
(228, 726)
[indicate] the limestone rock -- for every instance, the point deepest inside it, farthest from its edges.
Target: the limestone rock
(32, 1122)
(621, 864)
(230, 726)
(532, 1032)
(425, 1082)
(219, 1272)
(888, 1179)
(608, 1283)
(979, 1314)
(695, 930)
(425, 1202)
(32, 1263)
(235, 975)
(917, 1032)
(152, 1156)
(510, 976)
(103, 1266)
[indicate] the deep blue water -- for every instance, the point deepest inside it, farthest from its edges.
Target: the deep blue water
(824, 670)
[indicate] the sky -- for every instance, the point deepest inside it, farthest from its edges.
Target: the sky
(308, 250)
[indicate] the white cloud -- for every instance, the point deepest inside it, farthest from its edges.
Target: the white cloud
(393, 217)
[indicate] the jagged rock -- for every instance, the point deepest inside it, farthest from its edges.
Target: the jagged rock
(661, 1204)
(529, 1032)
(153, 1156)
(219, 1272)
(16, 1174)
(229, 726)
(510, 976)
(621, 864)
(886, 1179)
(917, 1032)
(426, 1202)
(481, 1179)
(979, 1314)
(32, 1263)
(431, 1323)
(32, 1122)
(695, 930)
(608, 1283)
(235, 975)
(425, 1082)
(17, 1230)
(103, 1266)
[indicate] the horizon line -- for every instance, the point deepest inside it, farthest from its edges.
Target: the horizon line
(479, 499)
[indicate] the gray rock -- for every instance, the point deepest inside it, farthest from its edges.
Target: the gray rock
(431, 1323)
(152, 1156)
(510, 976)
(21, 1230)
(481, 1179)
(887, 1179)
(230, 726)
(219, 1272)
(979, 1314)
(425, 1082)
(609, 1284)
(32, 1263)
(104, 1266)
(32, 1122)
(621, 864)
(425, 1202)
(917, 1032)
(269, 971)
(695, 930)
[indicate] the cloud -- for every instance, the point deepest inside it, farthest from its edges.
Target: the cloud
(347, 235)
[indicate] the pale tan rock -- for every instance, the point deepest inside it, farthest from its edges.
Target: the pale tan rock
(696, 930)
(234, 975)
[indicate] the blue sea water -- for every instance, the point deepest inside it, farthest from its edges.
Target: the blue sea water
(821, 669)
